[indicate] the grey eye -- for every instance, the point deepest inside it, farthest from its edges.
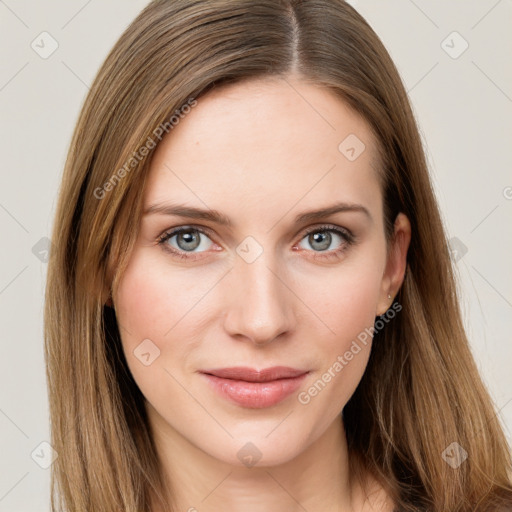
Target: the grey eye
(189, 240)
(321, 240)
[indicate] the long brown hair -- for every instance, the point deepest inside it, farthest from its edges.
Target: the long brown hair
(421, 391)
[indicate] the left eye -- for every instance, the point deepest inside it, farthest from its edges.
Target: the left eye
(321, 239)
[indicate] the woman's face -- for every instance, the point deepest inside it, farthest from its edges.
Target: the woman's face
(256, 280)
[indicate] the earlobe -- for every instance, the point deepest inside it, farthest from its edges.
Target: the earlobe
(385, 305)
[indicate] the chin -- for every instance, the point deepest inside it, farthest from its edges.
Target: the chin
(260, 449)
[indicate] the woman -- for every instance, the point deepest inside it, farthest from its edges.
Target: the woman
(251, 303)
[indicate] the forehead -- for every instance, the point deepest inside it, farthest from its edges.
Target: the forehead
(259, 147)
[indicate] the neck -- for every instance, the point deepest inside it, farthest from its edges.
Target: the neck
(316, 479)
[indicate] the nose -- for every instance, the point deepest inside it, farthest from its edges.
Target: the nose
(260, 305)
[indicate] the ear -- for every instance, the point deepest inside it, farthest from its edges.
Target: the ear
(396, 263)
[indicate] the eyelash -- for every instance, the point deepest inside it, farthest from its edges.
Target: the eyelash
(345, 234)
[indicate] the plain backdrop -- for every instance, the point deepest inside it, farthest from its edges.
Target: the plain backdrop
(454, 58)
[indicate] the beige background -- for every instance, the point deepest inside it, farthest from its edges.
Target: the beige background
(463, 102)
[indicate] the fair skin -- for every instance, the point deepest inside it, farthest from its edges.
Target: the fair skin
(260, 153)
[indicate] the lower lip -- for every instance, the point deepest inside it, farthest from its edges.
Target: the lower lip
(255, 395)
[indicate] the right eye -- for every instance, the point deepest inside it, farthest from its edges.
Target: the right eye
(185, 240)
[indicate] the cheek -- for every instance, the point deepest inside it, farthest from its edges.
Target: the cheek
(348, 308)
(155, 299)
(147, 308)
(160, 317)
(346, 301)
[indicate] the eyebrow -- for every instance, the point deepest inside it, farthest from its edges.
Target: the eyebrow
(216, 217)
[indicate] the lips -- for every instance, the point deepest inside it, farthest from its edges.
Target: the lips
(252, 388)
(251, 375)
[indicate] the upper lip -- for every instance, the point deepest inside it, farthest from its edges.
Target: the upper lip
(253, 375)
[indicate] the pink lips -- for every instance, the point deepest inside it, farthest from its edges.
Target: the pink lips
(255, 389)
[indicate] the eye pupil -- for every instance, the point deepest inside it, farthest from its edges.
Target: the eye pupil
(323, 237)
(190, 238)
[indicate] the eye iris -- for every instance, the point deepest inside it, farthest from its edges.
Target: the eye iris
(323, 237)
(191, 240)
